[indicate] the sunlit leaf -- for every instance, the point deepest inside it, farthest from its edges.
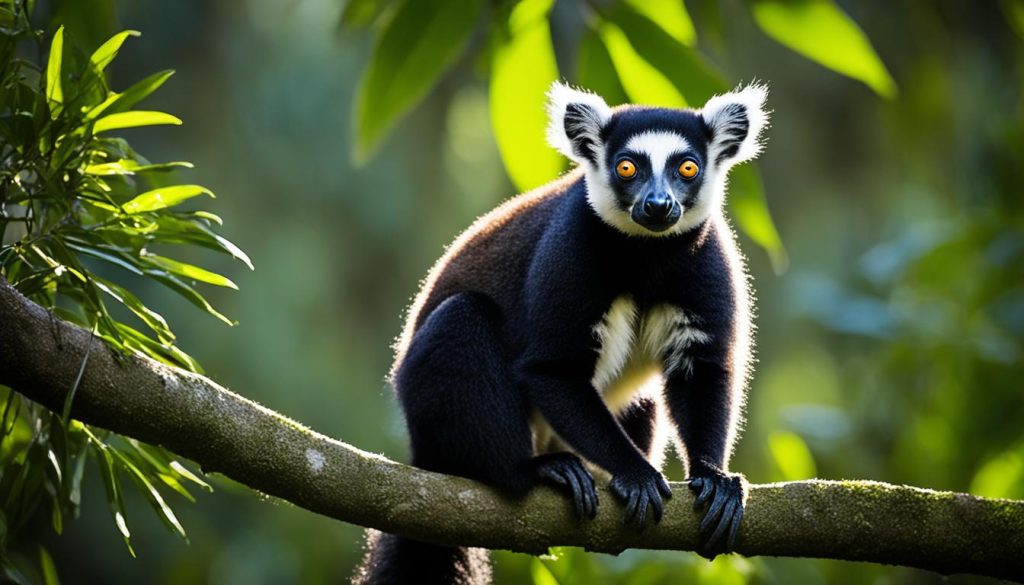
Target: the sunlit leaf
(419, 43)
(190, 271)
(128, 166)
(595, 70)
(49, 570)
(164, 197)
(190, 294)
(106, 52)
(113, 488)
(540, 573)
(792, 457)
(151, 318)
(684, 66)
(156, 500)
(671, 16)
(822, 32)
(135, 94)
(522, 72)
(54, 91)
(1001, 477)
(643, 83)
(184, 472)
(134, 119)
(748, 206)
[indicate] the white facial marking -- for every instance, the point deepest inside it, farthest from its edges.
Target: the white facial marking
(658, 146)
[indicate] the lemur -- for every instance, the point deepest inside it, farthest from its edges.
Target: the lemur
(559, 333)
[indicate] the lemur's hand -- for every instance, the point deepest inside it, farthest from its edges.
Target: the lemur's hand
(725, 494)
(639, 489)
(567, 471)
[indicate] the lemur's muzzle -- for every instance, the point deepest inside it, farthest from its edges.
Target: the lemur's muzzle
(657, 212)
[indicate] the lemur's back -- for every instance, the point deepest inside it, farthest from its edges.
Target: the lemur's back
(491, 256)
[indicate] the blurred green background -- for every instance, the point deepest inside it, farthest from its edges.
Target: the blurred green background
(890, 328)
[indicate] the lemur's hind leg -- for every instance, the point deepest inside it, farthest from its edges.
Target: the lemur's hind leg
(639, 420)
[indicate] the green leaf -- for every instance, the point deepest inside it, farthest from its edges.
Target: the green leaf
(106, 52)
(54, 92)
(164, 197)
(595, 70)
(749, 207)
(184, 472)
(822, 32)
(106, 253)
(643, 83)
(113, 488)
(156, 500)
(49, 570)
(360, 13)
(119, 102)
(671, 16)
(683, 66)
(127, 166)
(190, 294)
(133, 119)
(540, 573)
(420, 42)
(791, 456)
(151, 318)
(523, 69)
(1001, 477)
(189, 271)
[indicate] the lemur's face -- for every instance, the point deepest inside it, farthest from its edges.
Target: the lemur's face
(656, 171)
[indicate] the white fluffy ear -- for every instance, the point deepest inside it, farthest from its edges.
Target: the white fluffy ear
(575, 119)
(736, 120)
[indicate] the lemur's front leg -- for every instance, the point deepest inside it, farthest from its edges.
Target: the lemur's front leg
(706, 411)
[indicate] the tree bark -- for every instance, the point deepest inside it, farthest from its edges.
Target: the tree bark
(40, 357)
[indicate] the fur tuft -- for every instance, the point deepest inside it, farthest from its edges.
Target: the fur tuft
(575, 119)
(737, 120)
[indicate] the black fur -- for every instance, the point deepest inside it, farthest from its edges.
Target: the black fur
(503, 331)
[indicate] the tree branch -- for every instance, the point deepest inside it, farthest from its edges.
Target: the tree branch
(40, 357)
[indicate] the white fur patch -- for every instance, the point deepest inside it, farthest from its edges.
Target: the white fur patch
(559, 97)
(718, 114)
(635, 347)
(658, 146)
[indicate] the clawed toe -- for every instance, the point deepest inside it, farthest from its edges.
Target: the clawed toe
(724, 497)
(567, 471)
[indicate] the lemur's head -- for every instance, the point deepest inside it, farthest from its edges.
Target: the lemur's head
(656, 171)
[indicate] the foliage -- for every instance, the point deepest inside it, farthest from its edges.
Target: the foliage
(75, 203)
(631, 50)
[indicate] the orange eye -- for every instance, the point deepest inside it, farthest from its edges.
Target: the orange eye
(626, 169)
(688, 169)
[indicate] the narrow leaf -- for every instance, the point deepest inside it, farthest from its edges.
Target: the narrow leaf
(54, 92)
(748, 206)
(190, 294)
(419, 43)
(643, 83)
(595, 70)
(190, 271)
(106, 52)
(522, 72)
(822, 32)
(156, 500)
(133, 119)
(671, 16)
(151, 318)
(164, 197)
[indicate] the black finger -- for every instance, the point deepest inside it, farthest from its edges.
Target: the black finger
(734, 529)
(587, 488)
(552, 475)
(577, 492)
(656, 503)
(663, 487)
(634, 498)
(713, 511)
(707, 488)
(723, 524)
(642, 511)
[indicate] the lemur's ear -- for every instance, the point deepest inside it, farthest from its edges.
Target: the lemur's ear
(575, 119)
(735, 121)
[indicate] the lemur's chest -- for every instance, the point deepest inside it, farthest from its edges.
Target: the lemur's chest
(635, 345)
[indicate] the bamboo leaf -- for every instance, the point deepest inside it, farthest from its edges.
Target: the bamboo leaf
(164, 197)
(419, 43)
(190, 271)
(822, 32)
(106, 52)
(133, 119)
(156, 500)
(54, 91)
(671, 16)
(643, 83)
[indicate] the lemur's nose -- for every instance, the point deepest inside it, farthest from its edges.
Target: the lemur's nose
(658, 205)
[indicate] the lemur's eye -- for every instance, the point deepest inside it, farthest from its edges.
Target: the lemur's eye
(688, 169)
(626, 169)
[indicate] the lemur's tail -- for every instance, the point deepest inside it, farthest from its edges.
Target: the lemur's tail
(392, 560)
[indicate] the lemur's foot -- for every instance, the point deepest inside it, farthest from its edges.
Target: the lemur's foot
(725, 495)
(567, 471)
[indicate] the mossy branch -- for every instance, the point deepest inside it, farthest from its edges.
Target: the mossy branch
(40, 357)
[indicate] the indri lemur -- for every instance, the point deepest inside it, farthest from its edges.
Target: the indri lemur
(560, 330)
